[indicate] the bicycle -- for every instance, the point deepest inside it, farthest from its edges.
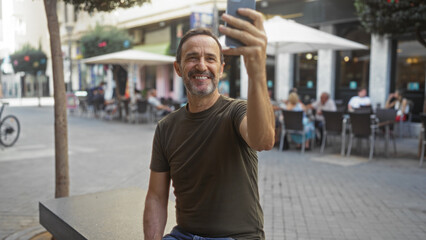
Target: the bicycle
(9, 128)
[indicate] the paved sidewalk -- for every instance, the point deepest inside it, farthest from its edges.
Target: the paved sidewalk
(310, 196)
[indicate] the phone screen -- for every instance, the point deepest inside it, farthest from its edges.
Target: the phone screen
(231, 9)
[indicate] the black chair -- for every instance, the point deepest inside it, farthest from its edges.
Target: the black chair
(385, 115)
(334, 125)
(176, 106)
(142, 109)
(340, 105)
(293, 123)
(405, 126)
(423, 137)
(364, 109)
(362, 126)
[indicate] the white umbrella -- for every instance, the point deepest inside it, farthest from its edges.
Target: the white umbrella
(130, 57)
(291, 37)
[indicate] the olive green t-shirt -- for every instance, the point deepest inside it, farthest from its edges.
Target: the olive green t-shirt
(213, 170)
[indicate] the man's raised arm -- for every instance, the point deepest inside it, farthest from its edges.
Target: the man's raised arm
(257, 128)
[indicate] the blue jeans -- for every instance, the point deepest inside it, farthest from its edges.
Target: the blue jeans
(179, 234)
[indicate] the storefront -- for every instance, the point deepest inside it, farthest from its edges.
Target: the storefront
(398, 63)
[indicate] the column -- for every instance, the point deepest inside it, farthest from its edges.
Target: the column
(131, 81)
(326, 67)
(284, 73)
(178, 87)
(380, 63)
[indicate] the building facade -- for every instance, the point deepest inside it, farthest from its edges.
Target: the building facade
(389, 64)
(23, 22)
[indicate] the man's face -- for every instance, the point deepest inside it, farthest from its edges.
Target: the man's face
(200, 66)
(362, 93)
(324, 98)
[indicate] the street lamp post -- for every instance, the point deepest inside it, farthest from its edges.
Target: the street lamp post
(69, 31)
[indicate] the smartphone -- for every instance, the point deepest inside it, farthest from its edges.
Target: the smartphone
(231, 9)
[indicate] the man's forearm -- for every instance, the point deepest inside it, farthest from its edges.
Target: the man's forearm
(260, 115)
(154, 219)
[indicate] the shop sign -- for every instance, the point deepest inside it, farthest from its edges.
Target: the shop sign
(413, 86)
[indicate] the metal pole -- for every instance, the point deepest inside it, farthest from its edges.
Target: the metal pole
(215, 19)
(37, 75)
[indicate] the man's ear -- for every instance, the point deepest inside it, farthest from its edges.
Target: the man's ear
(177, 68)
(222, 67)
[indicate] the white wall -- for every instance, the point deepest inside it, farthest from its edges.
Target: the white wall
(24, 21)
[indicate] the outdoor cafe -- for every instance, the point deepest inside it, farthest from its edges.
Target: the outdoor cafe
(378, 126)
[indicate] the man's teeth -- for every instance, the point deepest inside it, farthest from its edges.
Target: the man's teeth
(201, 78)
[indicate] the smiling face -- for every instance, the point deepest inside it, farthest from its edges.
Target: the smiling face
(200, 65)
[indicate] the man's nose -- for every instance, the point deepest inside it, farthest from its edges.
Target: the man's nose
(201, 66)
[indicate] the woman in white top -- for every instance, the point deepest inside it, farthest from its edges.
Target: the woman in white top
(399, 103)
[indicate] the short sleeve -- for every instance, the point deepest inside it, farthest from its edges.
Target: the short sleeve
(239, 110)
(159, 162)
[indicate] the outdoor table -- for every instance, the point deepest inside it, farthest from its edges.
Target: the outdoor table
(114, 214)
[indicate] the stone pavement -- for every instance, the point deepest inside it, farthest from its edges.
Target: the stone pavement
(310, 196)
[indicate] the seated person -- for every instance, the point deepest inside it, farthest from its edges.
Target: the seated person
(400, 104)
(97, 97)
(163, 110)
(360, 100)
(293, 104)
(324, 103)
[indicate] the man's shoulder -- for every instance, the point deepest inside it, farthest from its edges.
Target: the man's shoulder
(233, 101)
(173, 117)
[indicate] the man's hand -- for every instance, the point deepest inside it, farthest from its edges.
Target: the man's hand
(252, 35)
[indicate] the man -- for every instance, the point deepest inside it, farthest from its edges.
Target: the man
(361, 100)
(97, 98)
(324, 103)
(162, 110)
(208, 148)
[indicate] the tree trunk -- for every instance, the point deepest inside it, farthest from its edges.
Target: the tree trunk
(61, 125)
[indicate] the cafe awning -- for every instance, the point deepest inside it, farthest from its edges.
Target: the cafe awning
(130, 57)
